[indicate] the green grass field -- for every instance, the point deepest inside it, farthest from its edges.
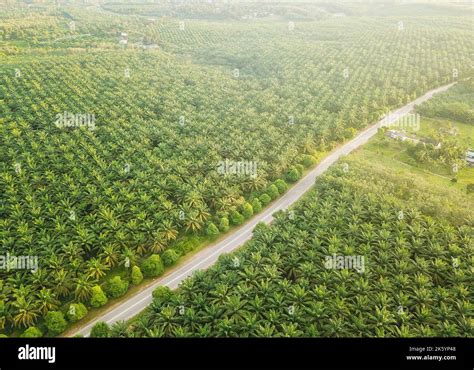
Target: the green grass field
(394, 154)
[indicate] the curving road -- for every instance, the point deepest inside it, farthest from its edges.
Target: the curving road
(208, 256)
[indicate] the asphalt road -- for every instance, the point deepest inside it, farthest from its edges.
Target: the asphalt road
(208, 256)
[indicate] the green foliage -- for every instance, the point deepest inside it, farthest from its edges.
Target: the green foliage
(449, 153)
(247, 210)
(76, 312)
(32, 332)
(153, 266)
(265, 199)
(300, 169)
(455, 104)
(170, 257)
(308, 160)
(293, 175)
(260, 229)
(470, 188)
(123, 214)
(55, 322)
(98, 298)
(236, 218)
(404, 283)
(162, 293)
(100, 330)
(256, 205)
(224, 224)
(272, 191)
(116, 287)
(187, 245)
(212, 229)
(136, 276)
(281, 185)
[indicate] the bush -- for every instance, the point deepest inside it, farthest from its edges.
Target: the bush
(170, 257)
(308, 160)
(256, 205)
(236, 218)
(3, 336)
(265, 199)
(100, 330)
(76, 312)
(260, 229)
(116, 287)
(470, 188)
(293, 175)
(55, 322)
(247, 210)
(98, 298)
(153, 266)
(272, 191)
(182, 247)
(300, 169)
(224, 224)
(193, 242)
(32, 332)
(212, 229)
(281, 185)
(136, 276)
(186, 245)
(162, 293)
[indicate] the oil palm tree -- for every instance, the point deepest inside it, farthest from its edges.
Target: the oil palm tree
(46, 301)
(26, 312)
(83, 287)
(96, 268)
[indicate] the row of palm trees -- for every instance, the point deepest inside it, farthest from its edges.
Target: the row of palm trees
(281, 287)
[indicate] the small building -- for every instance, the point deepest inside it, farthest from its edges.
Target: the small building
(470, 157)
(146, 46)
(453, 131)
(394, 135)
(149, 46)
(397, 135)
